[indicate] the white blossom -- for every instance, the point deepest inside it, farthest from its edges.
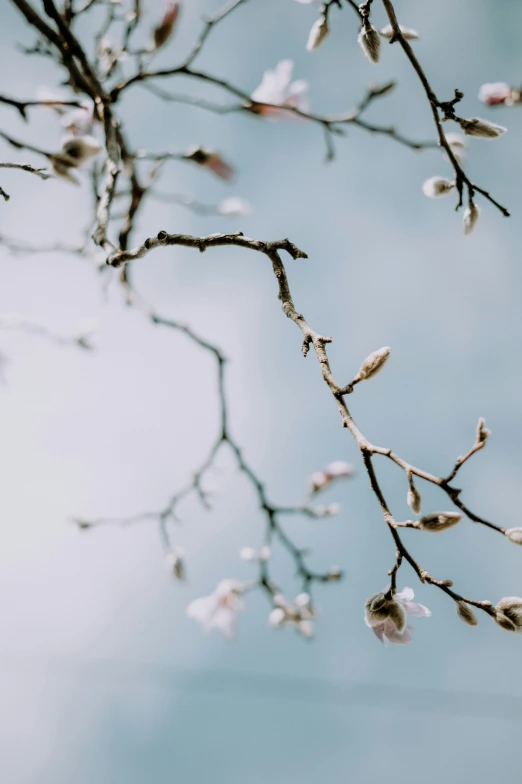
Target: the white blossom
(337, 469)
(220, 609)
(387, 617)
(327, 510)
(437, 186)
(407, 32)
(470, 218)
(298, 614)
(483, 129)
(370, 43)
(251, 555)
(317, 34)
(234, 207)
(514, 535)
(80, 122)
(439, 521)
(277, 88)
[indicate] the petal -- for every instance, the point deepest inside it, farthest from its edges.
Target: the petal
(398, 638)
(406, 595)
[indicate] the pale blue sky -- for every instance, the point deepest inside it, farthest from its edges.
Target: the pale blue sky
(103, 678)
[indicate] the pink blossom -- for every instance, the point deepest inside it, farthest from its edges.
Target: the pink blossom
(164, 30)
(278, 89)
(386, 630)
(211, 160)
(495, 93)
(337, 469)
(220, 609)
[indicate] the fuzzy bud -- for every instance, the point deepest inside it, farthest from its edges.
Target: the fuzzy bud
(370, 42)
(514, 535)
(438, 521)
(306, 628)
(327, 510)
(470, 218)
(510, 608)
(318, 33)
(248, 554)
(373, 364)
(466, 614)
(414, 499)
(379, 608)
(407, 33)
(437, 186)
(334, 573)
(482, 129)
(482, 431)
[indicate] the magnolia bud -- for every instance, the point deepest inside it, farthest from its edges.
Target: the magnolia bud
(378, 608)
(370, 43)
(306, 628)
(277, 617)
(407, 33)
(327, 510)
(482, 431)
(438, 521)
(317, 481)
(504, 622)
(373, 364)
(318, 33)
(511, 608)
(339, 468)
(495, 93)
(248, 554)
(470, 218)
(514, 535)
(481, 128)
(265, 553)
(334, 573)
(414, 499)
(437, 186)
(164, 30)
(466, 614)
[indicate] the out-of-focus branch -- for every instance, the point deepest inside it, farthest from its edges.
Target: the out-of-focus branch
(317, 342)
(448, 113)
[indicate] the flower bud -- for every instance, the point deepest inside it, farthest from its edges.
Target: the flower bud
(466, 614)
(339, 468)
(437, 186)
(318, 33)
(317, 481)
(407, 33)
(378, 608)
(370, 43)
(470, 218)
(334, 573)
(482, 431)
(175, 562)
(164, 30)
(306, 628)
(510, 607)
(373, 364)
(248, 554)
(504, 622)
(414, 499)
(514, 535)
(327, 510)
(438, 521)
(496, 93)
(277, 617)
(482, 129)
(265, 553)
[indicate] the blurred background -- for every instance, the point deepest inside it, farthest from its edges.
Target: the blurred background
(102, 676)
